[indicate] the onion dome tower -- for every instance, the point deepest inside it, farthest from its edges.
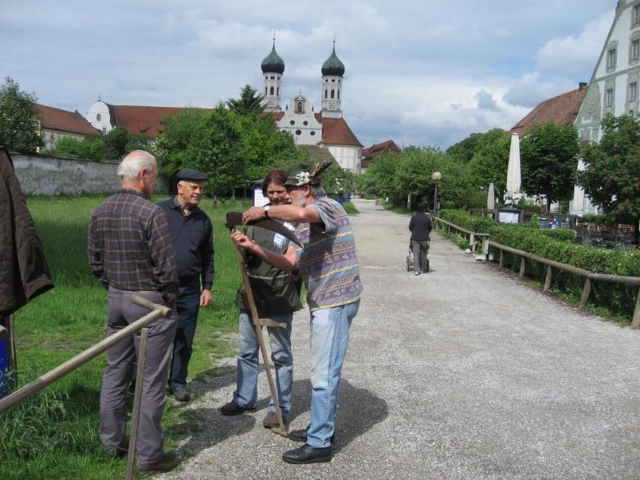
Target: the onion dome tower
(272, 70)
(332, 74)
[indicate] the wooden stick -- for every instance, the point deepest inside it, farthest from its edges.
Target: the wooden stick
(90, 353)
(137, 400)
(257, 321)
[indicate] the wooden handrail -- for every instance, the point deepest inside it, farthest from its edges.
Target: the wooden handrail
(588, 275)
(60, 371)
(472, 235)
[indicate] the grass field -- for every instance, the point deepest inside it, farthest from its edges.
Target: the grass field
(54, 435)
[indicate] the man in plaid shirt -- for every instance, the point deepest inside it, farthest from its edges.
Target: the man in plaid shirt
(130, 252)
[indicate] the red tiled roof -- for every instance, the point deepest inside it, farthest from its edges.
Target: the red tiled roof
(64, 121)
(371, 152)
(561, 110)
(378, 148)
(336, 131)
(141, 119)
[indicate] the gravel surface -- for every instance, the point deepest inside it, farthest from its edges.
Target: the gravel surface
(461, 373)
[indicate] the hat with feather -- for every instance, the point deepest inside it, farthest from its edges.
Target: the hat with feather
(307, 175)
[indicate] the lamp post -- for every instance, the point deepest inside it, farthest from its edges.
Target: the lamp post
(435, 176)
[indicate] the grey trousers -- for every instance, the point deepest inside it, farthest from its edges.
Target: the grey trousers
(121, 361)
(420, 250)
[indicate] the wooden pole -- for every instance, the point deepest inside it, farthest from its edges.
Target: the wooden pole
(89, 354)
(257, 321)
(137, 400)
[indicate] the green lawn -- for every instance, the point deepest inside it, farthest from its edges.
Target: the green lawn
(54, 435)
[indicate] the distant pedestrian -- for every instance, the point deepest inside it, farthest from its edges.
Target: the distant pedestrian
(192, 239)
(420, 226)
(130, 252)
(329, 267)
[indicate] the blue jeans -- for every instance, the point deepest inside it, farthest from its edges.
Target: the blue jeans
(188, 305)
(246, 394)
(329, 341)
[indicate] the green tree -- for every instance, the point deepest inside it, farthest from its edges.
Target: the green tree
(549, 159)
(249, 103)
(490, 162)
(612, 174)
(19, 119)
(465, 150)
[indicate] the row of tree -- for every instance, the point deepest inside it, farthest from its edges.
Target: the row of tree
(235, 144)
(549, 161)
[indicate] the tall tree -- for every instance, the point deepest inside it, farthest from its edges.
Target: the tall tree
(549, 159)
(612, 174)
(249, 103)
(19, 119)
(490, 162)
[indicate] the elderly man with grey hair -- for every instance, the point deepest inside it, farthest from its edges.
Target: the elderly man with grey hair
(130, 252)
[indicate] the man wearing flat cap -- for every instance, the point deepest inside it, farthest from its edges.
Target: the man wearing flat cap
(192, 239)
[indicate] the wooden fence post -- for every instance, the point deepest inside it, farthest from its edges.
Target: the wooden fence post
(585, 293)
(635, 323)
(522, 265)
(547, 281)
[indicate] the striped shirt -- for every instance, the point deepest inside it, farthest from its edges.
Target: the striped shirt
(329, 264)
(129, 245)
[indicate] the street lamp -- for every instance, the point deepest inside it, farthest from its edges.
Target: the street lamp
(435, 176)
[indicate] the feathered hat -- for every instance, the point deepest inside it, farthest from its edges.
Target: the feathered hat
(307, 175)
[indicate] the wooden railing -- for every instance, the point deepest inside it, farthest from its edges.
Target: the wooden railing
(474, 237)
(551, 264)
(89, 354)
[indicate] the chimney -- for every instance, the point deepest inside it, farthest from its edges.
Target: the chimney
(582, 85)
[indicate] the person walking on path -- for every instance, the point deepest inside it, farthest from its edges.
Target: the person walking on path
(330, 270)
(277, 296)
(420, 226)
(192, 239)
(130, 252)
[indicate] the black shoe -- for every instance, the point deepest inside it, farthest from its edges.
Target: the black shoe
(181, 394)
(168, 462)
(301, 436)
(308, 454)
(232, 408)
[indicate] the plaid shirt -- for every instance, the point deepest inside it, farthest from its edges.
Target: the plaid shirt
(130, 246)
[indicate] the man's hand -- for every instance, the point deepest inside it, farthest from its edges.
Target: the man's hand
(205, 298)
(240, 239)
(253, 214)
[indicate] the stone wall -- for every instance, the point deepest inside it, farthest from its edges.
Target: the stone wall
(52, 175)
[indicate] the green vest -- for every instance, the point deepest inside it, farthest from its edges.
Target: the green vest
(274, 291)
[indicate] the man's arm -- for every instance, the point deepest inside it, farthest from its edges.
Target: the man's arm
(208, 268)
(164, 257)
(94, 254)
(285, 213)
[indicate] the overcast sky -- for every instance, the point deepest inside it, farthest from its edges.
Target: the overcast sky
(419, 72)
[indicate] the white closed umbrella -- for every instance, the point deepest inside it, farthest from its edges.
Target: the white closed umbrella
(491, 197)
(513, 169)
(578, 204)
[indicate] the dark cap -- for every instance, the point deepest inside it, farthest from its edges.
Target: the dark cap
(188, 174)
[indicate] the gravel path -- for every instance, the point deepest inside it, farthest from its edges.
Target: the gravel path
(462, 373)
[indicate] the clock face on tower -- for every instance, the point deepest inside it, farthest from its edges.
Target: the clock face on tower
(332, 105)
(272, 102)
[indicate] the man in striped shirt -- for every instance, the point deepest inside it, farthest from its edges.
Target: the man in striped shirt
(329, 267)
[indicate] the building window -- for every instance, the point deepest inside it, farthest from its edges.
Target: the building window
(634, 51)
(98, 117)
(611, 59)
(635, 15)
(305, 123)
(633, 91)
(608, 97)
(271, 90)
(298, 132)
(333, 94)
(299, 108)
(292, 122)
(312, 133)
